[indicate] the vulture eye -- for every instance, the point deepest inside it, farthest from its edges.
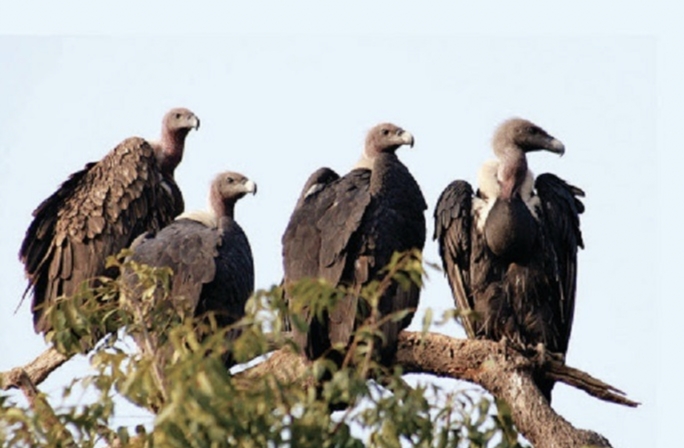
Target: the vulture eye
(230, 180)
(534, 131)
(385, 132)
(178, 116)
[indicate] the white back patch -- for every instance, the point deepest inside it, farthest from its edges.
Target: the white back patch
(364, 162)
(487, 182)
(488, 191)
(202, 216)
(488, 186)
(528, 195)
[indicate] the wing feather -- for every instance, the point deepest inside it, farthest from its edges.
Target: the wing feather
(453, 223)
(561, 208)
(97, 212)
(394, 222)
(316, 243)
(213, 270)
(189, 249)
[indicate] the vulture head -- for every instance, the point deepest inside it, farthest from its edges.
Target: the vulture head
(386, 138)
(523, 135)
(225, 191)
(180, 120)
(175, 127)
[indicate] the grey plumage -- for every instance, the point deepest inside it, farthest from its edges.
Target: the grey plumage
(346, 232)
(100, 210)
(209, 254)
(510, 250)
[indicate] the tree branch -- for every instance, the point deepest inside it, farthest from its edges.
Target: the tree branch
(36, 371)
(502, 371)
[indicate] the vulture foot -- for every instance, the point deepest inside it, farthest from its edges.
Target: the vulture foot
(504, 344)
(541, 356)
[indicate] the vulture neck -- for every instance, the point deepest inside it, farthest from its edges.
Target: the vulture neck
(385, 174)
(224, 209)
(512, 170)
(170, 150)
(370, 158)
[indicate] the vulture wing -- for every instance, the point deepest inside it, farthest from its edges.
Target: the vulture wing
(233, 283)
(189, 249)
(561, 209)
(213, 269)
(319, 230)
(394, 222)
(453, 221)
(316, 243)
(97, 212)
(316, 182)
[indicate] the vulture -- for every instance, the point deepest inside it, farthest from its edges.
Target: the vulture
(209, 254)
(99, 210)
(344, 230)
(510, 250)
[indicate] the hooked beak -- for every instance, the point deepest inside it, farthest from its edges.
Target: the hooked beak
(556, 146)
(545, 143)
(407, 138)
(195, 122)
(250, 187)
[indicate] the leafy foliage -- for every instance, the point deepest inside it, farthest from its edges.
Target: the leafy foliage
(180, 375)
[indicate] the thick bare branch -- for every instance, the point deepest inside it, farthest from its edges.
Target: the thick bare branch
(503, 372)
(500, 370)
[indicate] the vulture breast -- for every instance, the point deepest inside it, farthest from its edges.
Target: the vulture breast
(510, 230)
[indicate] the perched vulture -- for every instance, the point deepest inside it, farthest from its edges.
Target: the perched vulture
(510, 250)
(100, 210)
(209, 255)
(345, 230)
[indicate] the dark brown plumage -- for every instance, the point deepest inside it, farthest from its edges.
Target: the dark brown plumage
(209, 254)
(318, 180)
(510, 252)
(100, 210)
(345, 231)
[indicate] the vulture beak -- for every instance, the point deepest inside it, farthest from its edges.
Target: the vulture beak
(250, 187)
(407, 138)
(545, 143)
(195, 122)
(556, 146)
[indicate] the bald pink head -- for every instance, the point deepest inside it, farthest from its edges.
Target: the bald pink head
(176, 125)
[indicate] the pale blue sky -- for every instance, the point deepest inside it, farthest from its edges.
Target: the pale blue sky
(281, 92)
